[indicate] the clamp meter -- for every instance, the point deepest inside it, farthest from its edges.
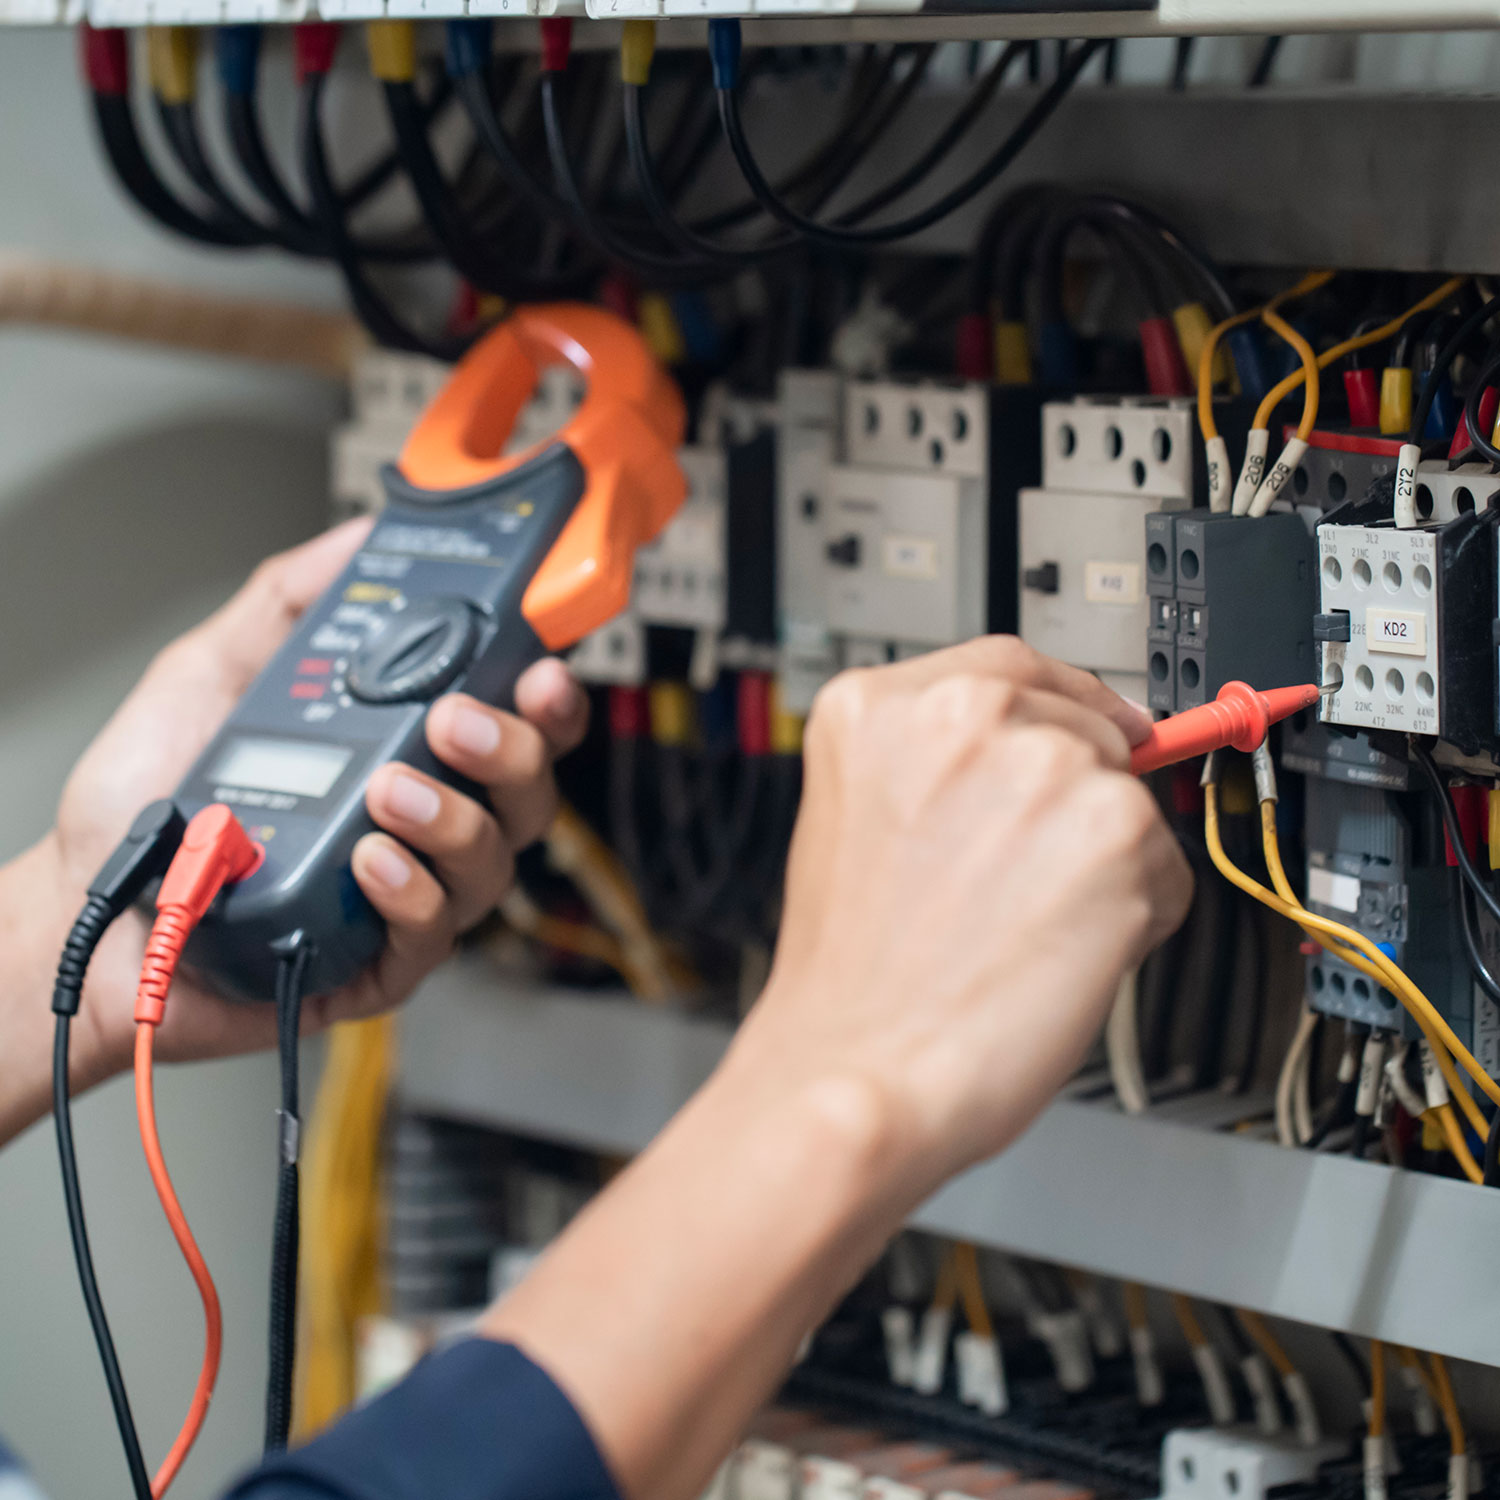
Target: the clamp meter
(478, 566)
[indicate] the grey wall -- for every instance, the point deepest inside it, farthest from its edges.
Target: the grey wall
(136, 489)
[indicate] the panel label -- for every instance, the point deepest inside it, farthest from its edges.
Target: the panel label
(1327, 888)
(1399, 632)
(910, 557)
(1112, 582)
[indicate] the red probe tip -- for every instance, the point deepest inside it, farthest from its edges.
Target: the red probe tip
(1239, 717)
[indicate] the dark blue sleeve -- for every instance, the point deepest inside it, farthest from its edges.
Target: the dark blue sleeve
(478, 1421)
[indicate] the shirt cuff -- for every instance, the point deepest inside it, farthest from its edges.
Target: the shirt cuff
(477, 1421)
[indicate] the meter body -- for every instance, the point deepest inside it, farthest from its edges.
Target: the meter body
(477, 567)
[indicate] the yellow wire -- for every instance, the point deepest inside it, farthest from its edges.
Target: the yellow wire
(1309, 283)
(1192, 1329)
(1458, 1442)
(1448, 1124)
(1135, 1304)
(971, 1288)
(1284, 388)
(1395, 979)
(945, 1292)
(1271, 844)
(1266, 1341)
(1279, 326)
(1377, 1388)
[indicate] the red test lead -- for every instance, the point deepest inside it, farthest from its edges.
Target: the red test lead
(1238, 718)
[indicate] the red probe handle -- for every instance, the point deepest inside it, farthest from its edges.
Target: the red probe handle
(1238, 717)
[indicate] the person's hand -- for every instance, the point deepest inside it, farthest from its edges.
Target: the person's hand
(171, 715)
(973, 870)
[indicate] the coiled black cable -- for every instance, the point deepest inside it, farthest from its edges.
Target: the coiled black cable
(839, 236)
(286, 1234)
(135, 173)
(179, 125)
(1440, 366)
(382, 322)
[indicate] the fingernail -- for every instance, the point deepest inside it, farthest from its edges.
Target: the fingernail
(412, 799)
(474, 731)
(389, 868)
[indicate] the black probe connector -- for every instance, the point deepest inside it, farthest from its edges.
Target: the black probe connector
(141, 857)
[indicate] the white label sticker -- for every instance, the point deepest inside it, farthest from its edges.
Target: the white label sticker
(1326, 888)
(910, 557)
(1399, 632)
(1112, 582)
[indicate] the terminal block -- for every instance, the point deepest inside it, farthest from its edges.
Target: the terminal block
(1230, 597)
(1406, 624)
(1340, 466)
(681, 577)
(1121, 446)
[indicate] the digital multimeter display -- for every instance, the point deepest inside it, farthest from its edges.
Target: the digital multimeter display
(299, 768)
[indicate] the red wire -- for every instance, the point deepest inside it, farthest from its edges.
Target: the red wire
(145, 1104)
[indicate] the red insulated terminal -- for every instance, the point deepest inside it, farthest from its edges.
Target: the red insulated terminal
(1471, 804)
(557, 43)
(1489, 402)
(754, 713)
(313, 46)
(104, 54)
(974, 348)
(1238, 718)
(629, 713)
(1363, 391)
(1166, 369)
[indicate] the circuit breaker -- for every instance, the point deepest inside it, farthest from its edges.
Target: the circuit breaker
(905, 556)
(1231, 597)
(682, 577)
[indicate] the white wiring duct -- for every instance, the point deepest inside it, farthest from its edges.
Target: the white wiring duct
(1122, 1045)
(42, 292)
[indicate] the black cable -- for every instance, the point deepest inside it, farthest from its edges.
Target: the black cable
(382, 322)
(1260, 75)
(1112, 60)
(1467, 920)
(1182, 61)
(478, 264)
(141, 857)
(135, 173)
(1152, 227)
(282, 1351)
(1472, 878)
(1478, 438)
(593, 226)
(82, 940)
(950, 202)
(179, 127)
(1345, 1345)
(1444, 358)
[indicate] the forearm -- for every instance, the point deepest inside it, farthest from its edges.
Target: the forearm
(672, 1307)
(32, 930)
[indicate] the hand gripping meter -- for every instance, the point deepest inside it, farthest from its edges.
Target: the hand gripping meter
(478, 566)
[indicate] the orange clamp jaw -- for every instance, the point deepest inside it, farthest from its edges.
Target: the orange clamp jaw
(1237, 719)
(624, 433)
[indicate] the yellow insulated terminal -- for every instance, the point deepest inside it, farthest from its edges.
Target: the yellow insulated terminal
(393, 50)
(658, 325)
(1193, 326)
(637, 46)
(786, 727)
(1395, 400)
(172, 58)
(1012, 353)
(671, 713)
